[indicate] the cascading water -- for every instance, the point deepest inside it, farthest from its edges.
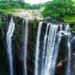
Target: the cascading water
(55, 52)
(51, 42)
(25, 46)
(50, 49)
(44, 48)
(37, 49)
(9, 45)
(69, 36)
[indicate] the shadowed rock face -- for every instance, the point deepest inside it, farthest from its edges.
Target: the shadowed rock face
(3, 54)
(62, 58)
(53, 20)
(73, 57)
(18, 44)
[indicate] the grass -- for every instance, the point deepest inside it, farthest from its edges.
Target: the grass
(8, 7)
(69, 19)
(9, 11)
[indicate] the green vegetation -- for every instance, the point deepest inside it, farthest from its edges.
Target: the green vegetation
(61, 10)
(12, 6)
(69, 19)
(4, 5)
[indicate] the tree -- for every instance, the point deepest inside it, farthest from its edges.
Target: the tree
(58, 8)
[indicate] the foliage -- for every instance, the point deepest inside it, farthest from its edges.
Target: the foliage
(36, 6)
(17, 4)
(69, 19)
(13, 5)
(59, 9)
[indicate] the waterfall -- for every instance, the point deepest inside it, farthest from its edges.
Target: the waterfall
(9, 45)
(44, 47)
(47, 48)
(50, 49)
(69, 36)
(25, 46)
(56, 49)
(37, 49)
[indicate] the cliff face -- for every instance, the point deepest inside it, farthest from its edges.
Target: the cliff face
(18, 41)
(30, 14)
(3, 59)
(17, 46)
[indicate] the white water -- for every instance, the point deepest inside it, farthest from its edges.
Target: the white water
(9, 45)
(51, 43)
(56, 49)
(73, 39)
(37, 49)
(68, 33)
(50, 49)
(25, 47)
(44, 47)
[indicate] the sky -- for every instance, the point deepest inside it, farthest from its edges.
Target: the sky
(36, 1)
